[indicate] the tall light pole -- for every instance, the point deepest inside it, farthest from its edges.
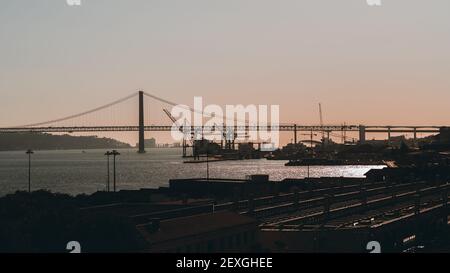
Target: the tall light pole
(108, 153)
(29, 152)
(207, 160)
(114, 153)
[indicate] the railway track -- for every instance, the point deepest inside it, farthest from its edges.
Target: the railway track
(353, 208)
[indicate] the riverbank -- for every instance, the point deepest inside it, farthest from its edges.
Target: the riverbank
(74, 172)
(42, 141)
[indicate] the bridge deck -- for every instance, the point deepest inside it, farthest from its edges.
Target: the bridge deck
(280, 128)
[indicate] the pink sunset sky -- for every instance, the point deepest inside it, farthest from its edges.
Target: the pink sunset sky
(366, 65)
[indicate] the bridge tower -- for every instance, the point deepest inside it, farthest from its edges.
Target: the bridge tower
(389, 135)
(295, 134)
(141, 123)
(362, 134)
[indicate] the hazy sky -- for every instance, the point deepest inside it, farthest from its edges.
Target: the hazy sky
(371, 65)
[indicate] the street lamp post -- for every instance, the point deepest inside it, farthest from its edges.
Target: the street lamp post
(108, 154)
(207, 160)
(114, 153)
(29, 152)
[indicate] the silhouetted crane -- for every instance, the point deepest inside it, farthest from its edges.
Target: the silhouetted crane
(321, 122)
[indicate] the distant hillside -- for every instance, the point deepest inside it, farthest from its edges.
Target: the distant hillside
(38, 141)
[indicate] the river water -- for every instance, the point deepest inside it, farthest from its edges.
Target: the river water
(75, 171)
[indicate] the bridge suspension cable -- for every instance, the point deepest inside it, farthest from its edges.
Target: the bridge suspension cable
(178, 105)
(125, 99)
(115, 103)
(189, 108)
(81, 114)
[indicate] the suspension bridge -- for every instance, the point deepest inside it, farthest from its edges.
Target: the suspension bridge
(53, 126)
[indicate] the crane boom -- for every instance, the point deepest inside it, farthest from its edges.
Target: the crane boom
(180, 128)
(174, 120)
(170, 116)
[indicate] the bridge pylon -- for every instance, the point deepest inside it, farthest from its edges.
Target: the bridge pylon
(362, 134)
(141, 123)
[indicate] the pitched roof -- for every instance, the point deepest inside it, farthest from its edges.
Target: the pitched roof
(193, 225)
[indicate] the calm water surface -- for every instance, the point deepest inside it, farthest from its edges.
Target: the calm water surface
(77, 172)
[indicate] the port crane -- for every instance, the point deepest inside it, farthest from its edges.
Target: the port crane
(321, 122)
(323, 131)
(181, 129)
(324, 140)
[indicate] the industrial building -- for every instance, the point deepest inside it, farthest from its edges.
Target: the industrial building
(212, 232)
